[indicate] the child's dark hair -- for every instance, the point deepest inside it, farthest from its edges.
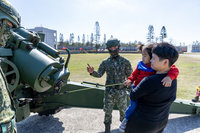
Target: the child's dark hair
(148, 48)
(166, 51)
(139, 47)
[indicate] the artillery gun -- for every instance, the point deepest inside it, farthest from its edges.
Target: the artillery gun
(31, 68)
(37, 75)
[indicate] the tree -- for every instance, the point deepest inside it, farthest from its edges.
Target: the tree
(79, 39)
(97, 32)
(61, 37)
(83, 39)
(163, 34)
(104, 39)
(71, 38)
(150, 35)
(92, 38)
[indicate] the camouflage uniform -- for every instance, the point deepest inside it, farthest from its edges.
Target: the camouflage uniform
(117, 70)
(7, 113)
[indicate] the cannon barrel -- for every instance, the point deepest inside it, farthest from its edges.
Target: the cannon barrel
(39, 65)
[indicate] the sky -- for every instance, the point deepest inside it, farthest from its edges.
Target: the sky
(127, 20)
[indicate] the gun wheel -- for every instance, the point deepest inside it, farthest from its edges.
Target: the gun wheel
(11, 73)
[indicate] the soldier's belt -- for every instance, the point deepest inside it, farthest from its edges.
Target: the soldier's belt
(7, 127)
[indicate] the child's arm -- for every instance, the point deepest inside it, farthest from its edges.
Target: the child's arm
(127, 82)
(132, 77)
(172, 74)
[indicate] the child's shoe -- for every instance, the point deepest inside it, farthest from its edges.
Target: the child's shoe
(195, 99)
(122, 127)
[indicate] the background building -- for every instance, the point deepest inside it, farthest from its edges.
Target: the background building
(193, 48)
(50, 35)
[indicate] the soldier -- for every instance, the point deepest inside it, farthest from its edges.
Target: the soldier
(117, 69)
(9, 18)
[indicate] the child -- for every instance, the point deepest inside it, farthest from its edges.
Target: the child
(143, 70)
(196, 98)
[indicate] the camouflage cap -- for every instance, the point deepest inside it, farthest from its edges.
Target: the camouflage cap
(7, 11)
(112, 42)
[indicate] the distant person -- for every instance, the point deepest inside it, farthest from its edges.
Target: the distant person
(153, 98)
(117, 69)
(142, 70)
(196, 98)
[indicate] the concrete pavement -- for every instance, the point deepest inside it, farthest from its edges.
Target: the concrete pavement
(84, 120)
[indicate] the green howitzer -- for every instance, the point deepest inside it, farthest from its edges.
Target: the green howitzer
(37, 77)
(32, 68)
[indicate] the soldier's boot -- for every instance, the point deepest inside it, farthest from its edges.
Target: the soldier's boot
(195, 99)
(107, 128)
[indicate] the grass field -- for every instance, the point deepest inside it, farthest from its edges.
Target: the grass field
(188, 64)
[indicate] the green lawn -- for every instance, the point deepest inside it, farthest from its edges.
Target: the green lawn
(188, 79)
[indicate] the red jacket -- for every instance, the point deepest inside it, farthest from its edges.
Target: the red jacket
(143, 70)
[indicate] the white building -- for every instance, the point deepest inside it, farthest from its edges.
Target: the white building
(193, 48)
(50, 35)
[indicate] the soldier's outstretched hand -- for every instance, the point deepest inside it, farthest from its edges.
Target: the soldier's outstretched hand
(90, 69)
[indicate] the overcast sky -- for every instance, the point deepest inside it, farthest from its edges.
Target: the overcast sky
(127, 20)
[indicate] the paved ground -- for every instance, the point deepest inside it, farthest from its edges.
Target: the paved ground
(84, 120)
